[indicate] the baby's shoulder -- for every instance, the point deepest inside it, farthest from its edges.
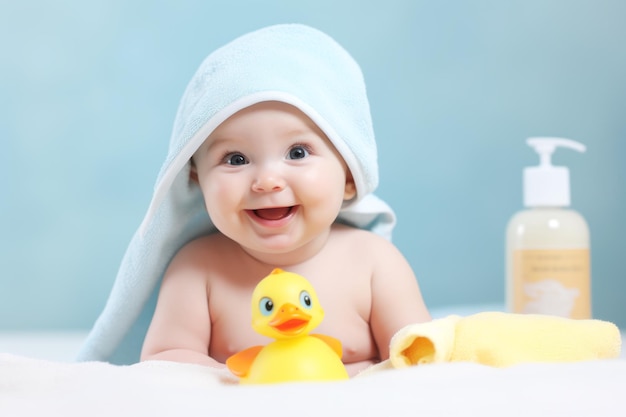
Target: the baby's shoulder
(215, 257)
(359, 238)
(208, 246)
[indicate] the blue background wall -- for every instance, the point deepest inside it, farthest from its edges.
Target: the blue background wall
(88, 92)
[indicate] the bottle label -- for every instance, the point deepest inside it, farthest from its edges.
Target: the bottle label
(554, 282)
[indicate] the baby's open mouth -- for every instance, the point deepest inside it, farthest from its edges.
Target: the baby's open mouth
(274, 213)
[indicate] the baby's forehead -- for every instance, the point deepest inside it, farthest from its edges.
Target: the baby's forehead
(275, 117)
(268, 126)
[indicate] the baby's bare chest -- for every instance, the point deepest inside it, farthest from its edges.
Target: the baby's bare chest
(346, 317)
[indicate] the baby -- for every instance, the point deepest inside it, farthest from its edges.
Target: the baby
(272, 164)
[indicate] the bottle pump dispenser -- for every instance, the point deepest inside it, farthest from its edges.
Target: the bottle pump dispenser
(547, 185)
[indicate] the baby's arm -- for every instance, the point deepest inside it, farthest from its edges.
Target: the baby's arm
(396, 297)
(180, 330)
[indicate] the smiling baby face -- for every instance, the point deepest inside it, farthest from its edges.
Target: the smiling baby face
(271, 179)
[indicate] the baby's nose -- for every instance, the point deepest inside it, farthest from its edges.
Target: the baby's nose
(268, 181)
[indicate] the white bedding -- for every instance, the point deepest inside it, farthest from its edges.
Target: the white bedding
(31, 387)
(37, 378)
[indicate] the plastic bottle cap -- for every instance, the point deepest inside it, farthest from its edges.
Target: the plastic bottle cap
(547, 185)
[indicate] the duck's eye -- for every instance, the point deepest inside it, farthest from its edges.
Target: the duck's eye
(266, 305)
(305, 299)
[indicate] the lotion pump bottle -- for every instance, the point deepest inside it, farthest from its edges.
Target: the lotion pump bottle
(547, 245)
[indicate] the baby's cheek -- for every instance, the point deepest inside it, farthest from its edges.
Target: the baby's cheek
(221, 195)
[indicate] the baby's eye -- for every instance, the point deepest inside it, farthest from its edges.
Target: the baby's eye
(298, 152)
(235, 158)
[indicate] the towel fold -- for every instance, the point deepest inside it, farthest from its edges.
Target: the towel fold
(504, 339)
(292, 63)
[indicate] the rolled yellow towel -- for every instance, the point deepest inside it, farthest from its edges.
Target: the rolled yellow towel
(504, 339)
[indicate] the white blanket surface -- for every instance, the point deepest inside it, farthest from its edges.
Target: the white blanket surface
(36, 387)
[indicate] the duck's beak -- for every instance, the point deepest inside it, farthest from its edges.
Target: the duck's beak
(290, 320)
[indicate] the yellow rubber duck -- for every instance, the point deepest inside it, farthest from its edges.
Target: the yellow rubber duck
(285, 307)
